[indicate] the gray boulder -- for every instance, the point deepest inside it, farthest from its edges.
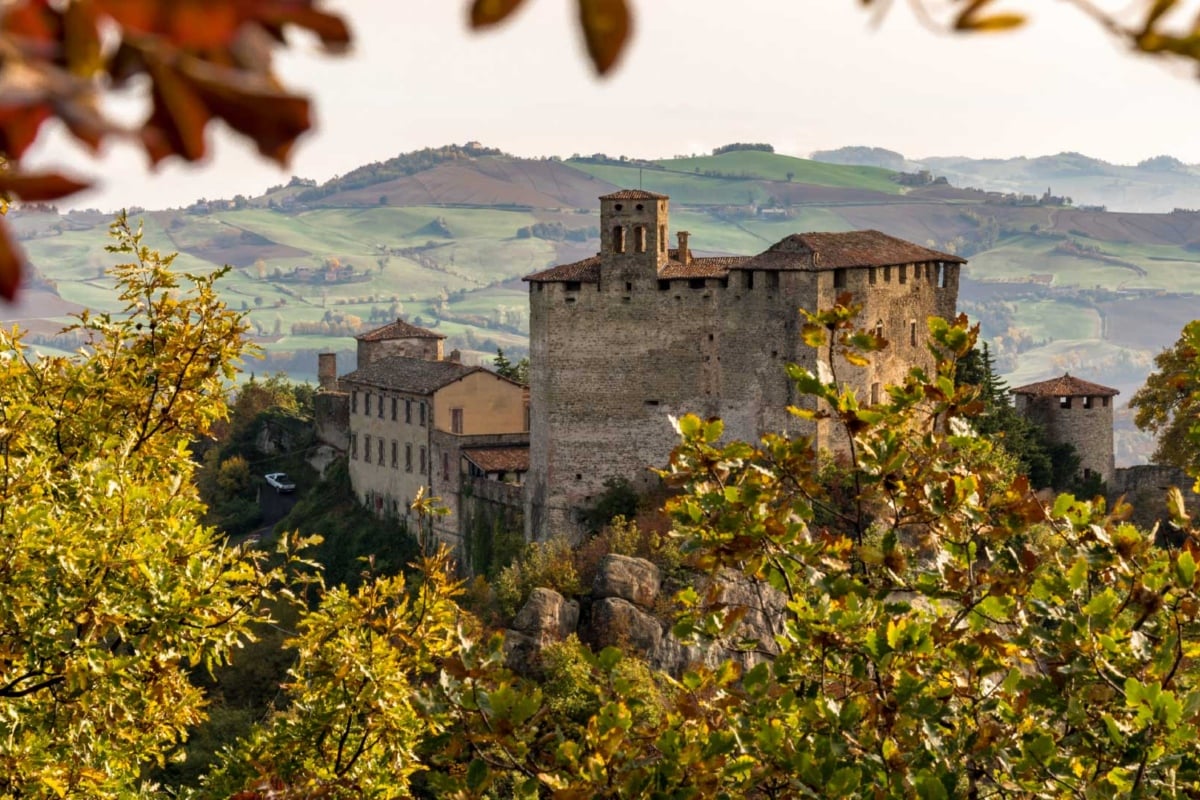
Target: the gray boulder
(547, 615)
(618, 623)
(632, 579)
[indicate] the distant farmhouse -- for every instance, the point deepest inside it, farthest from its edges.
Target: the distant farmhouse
(644, 330)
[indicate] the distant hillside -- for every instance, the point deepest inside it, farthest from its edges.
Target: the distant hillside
(1157, 184)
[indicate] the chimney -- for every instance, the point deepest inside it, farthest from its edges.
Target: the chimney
(685, 257)
(327, 372)
(455, 356)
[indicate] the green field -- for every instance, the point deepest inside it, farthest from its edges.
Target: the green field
(776, 167)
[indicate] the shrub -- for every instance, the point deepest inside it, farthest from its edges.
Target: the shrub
(549, 564)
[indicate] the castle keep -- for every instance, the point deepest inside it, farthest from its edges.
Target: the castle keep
(643, 330)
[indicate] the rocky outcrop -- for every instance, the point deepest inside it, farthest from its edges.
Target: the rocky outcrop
(623, 593)
(616, 622)
(633, 579)
(546, 617)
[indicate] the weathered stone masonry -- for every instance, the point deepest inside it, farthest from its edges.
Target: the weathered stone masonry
(641, 331)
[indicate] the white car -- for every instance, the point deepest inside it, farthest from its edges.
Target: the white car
(281, 482)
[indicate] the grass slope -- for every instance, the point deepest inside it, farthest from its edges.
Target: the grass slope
(776, 167)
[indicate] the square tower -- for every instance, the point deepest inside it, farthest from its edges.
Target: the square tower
(633, 237)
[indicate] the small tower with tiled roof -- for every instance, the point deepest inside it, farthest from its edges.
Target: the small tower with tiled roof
(1075, 412)
(399, 338)
(633, 238)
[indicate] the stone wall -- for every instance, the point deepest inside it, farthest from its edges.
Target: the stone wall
(610, 361)
(331, 414)
(422, 347)
(1145, 488)
(450, 483)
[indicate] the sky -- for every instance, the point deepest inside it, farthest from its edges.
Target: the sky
(802, 75)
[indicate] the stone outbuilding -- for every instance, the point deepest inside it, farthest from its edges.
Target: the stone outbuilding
(1075, 412)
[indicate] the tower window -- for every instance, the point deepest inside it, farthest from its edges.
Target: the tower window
(871, 276)
(640, 207)
(887, 274)
(903, 273)
(771, 279)
(874, 394)
(619, 207)
(1104, 402)
(662, 238)
(695, 283)
(839, 279)
(941, 275)
(912, 332)
(618, 238)
(749, 279)
(574, 286)
(629, 286)
(664, 286)
(640, 238)
(1064, 402)
(1087, 402)
(879, 328)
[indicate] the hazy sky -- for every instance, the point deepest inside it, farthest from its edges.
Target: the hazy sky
(800, 74)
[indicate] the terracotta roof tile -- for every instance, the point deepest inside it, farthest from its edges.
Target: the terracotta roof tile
(820, 251)
(1066, 386)
(398, 330)
(585, 271)
(709, 267)
(413, 375)
(634, 194)
(499, 459)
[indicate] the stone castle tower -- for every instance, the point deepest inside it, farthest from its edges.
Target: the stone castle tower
(642, 330)
(1075, 412)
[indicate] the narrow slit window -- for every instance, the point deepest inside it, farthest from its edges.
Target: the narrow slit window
(941, 275)
(912, 333)
(839, 279)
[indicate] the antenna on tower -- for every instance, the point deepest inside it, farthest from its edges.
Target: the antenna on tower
(639, 177)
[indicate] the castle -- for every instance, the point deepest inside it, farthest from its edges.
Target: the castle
(642, 330)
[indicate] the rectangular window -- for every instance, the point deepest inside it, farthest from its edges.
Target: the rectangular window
(771, 280)
(912, 333)
(695, 283)
(879, 328)
(639, 234)
(422, 459)
(367, 404)
(874, 394)
(367, 449)
(871, 276)
(445, 466)
(903, 273)
(839, 279)
(408, 411)
(618, 239)
(1064, 402)
(456, 420)
(1104, 402)
(354, 402)
(749, 279)
(395, 402)
(662, 238)
(941, 275)
(573, 286)
(422, 412)
(395, 454)
(408, 458)
(887, 274)
(379, 460)
(354, 446)
(381, 399)
(1087, 402)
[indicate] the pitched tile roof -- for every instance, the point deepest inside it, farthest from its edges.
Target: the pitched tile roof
(585, 271)
(1066, 386)
(413, 375)
(634, 194)
(708, 267)
(820, 251)
(398, 330)
(499, 459)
